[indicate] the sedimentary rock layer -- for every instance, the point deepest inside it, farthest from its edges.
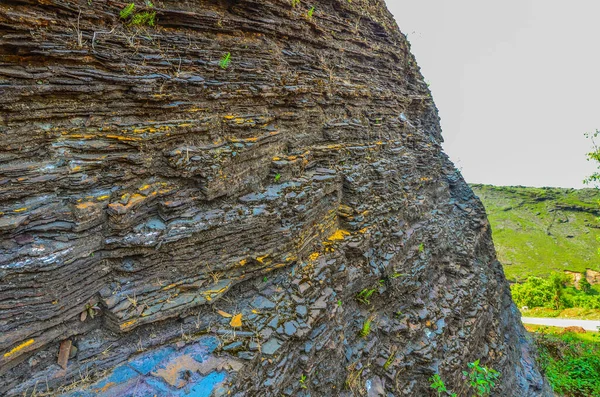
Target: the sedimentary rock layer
(167, 169)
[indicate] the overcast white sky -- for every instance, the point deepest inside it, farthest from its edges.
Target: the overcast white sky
(517, 84)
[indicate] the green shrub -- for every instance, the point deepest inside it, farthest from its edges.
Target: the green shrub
(552, 294)
(571, 364)
(535, 292)
(584, 284)
(480, 380)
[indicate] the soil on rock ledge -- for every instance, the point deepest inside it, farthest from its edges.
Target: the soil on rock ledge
(164, 188)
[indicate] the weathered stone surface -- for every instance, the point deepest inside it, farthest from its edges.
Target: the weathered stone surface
(148, 187)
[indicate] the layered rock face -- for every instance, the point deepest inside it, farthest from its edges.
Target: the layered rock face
(235, 198)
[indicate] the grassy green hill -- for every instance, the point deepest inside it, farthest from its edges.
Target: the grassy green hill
(540, 230)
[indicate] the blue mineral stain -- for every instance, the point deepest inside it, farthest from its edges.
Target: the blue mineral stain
(147, 362)
(205, 386)
(156, 224)
(201, 350)
(78, 393)
(119, 375)
(136, 389)
(161, 388)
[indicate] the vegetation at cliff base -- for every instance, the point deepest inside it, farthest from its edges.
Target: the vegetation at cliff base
(570, 361)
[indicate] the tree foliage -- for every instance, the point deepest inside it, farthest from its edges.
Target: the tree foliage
(552, 293)
(594, 156)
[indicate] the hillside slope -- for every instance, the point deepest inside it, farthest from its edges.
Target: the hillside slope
(538, 230)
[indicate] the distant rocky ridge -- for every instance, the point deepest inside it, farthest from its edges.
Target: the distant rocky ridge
(540, 230)
(235, 197)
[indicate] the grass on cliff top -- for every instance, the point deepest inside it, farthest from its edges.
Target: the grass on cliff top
(570, 361)
(540, 230)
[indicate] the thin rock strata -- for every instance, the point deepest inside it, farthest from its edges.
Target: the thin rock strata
(194, 223)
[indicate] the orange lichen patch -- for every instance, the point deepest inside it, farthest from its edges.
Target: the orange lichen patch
(363, 230)
(236, 321)
(255, 311)
(19, 348)
(262, 259)
(338, 235)
(143, 130)
(291, 258)
(313, 256)
(243, 262)
(123, 138)
(229, 117)
(126, 326)
(276, 158)
(224, 314)
(133, 200)
(102, 198)
(186, 125)
(86, 205)
(76, 168)
(20, 209)
(276, 266)
(79, 136)
(107, 386)
(236, 140)
(169, 287)
(209, 294)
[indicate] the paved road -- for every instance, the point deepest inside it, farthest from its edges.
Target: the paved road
(588, 325)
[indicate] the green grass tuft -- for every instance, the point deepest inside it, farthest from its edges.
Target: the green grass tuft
(127, 11)
(146, 18)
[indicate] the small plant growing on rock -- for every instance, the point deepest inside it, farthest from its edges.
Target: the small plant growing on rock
(389, 361)
(225, 61)
(310, 12)
(366, 328)
(127, 11)
(481, 379)
(277, 177)
(302, 381)
(90, 310)
(144, 18)
(364, 296)
(439, 386)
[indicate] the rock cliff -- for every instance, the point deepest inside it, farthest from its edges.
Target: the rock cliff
(235, 197)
